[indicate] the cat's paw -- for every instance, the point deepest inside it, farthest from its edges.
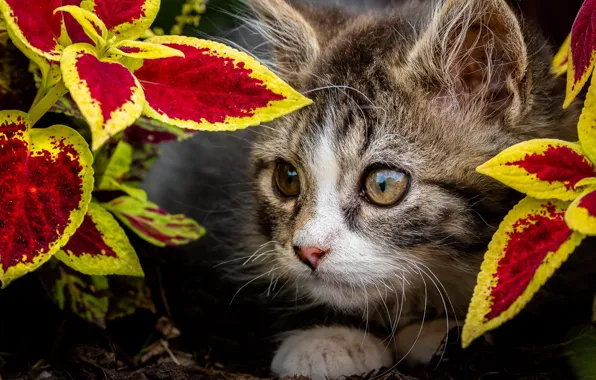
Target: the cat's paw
(330, 352)
(417, 346)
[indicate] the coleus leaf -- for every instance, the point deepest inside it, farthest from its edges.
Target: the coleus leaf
(543, 168)
(582, 50)
(586, 127)
(154, 224)
(91, 25)
(125, 19)
(530, 245)
(45, 188)
(144, 131)
(561, 59)
(118, 166)
(86, 296)
(100, 247)
(581, 215)
(34, 24)
(129, 295)
(111, 101)
(41, 31)
(213, 88)
(146, 50)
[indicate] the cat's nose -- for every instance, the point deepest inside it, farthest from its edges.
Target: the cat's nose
(310, 256)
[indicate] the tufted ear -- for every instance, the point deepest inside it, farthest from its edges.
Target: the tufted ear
(294, 41)
(474, 54)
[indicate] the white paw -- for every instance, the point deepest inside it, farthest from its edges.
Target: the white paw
(418, 350)
(330, 352)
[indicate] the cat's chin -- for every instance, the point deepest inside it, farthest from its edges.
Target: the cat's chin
(340, 295)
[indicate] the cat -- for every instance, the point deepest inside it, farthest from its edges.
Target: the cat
(367, 201)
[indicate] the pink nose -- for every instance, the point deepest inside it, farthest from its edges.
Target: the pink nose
(310, 256)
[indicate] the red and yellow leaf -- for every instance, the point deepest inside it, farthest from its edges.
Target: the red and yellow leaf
(543, 168)
(214, 88)
(145, 50)
(153, 224)
(581, 215)
(561, 59)
(530, 245)
(91, 25)
(45, 188)
(34, 24)
(582, 50)
(100, 247)
(125, 19)
(111, 101)
(586, 127)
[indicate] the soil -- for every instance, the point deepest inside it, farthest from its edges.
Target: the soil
(197, 334)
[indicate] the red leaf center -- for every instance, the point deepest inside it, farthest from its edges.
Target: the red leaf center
(117, 12)
(583, 39)
(202, 86)
(110, 84)
(38, 23)
(557, 164)
(37, 195)
(588, 202)
(88, 240)
(534, 237)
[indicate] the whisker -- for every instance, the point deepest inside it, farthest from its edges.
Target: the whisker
(423, 319)
(250, 282)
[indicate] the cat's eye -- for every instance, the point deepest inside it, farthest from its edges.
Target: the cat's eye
(286, 179)
(385, 187)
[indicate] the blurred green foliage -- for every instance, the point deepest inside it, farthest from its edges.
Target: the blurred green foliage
(217, 18)
(581, 353)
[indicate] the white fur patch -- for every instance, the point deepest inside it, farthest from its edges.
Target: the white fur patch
(322, 230)
(354, 265)
(330, 352)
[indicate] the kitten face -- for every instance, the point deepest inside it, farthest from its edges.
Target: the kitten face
(371, 192)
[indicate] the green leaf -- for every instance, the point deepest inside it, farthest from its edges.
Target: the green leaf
(116, 168)
(581, 353)
(85, 296)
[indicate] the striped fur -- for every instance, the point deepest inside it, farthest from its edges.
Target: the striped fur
(394, 88)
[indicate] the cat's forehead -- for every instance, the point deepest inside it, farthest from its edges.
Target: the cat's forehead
(362, 54)
(358, 129)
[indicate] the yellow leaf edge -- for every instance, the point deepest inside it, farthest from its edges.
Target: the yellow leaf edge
(275, 109)
(40, 138)
(127, 263)
(475, 325)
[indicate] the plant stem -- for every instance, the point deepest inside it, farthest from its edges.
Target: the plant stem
(43, 106)
(40, 94)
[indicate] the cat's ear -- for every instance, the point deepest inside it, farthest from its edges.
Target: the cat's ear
(474, 53)
(293, 40)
